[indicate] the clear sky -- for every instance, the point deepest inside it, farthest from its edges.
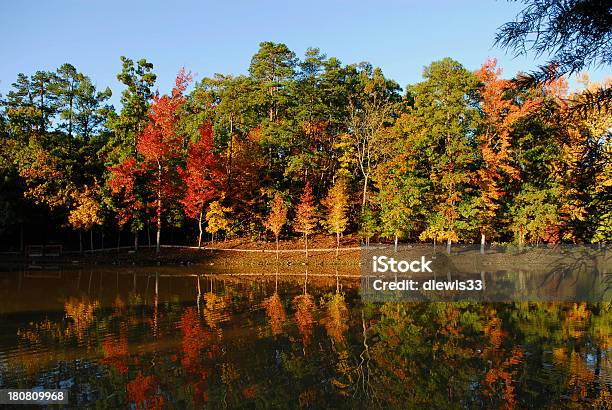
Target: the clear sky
(220, 37)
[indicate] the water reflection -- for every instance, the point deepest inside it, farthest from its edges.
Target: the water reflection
(152, 339)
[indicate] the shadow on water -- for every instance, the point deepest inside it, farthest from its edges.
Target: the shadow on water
(170, 337)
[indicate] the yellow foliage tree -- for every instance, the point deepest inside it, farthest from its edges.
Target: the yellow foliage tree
(336, 205)
(85, 213)
(217, 219)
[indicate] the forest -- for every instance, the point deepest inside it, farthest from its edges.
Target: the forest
(304, 146)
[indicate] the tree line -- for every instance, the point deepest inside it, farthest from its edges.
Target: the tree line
(309, 145)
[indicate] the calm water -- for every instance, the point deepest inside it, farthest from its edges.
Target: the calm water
(180, 338)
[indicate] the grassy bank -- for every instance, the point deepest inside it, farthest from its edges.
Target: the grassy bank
(235, 252)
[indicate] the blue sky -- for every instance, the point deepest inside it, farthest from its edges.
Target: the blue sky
(221, 36)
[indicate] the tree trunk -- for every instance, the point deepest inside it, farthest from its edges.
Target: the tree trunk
(199, 291)
(306, 241)
(448, 245)
(118, 240)
(231, 154)
(70, 117)
(276, 248)
(80, 242)
(158, 238)
(159, 207)
(21, 237)
(136, 240)
(200, 233)
(337, 243)
(91, 240)
(482, 243)
(395, 243)
(149, 234)
(365, 190)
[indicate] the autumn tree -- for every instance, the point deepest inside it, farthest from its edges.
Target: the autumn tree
(277, 217)
(202, 177)
(160, 147)
(217, 219)
(123, 181)
(336, 206)
(86, 212)
(305, 215)
(582, 168)
(600, 217)
(48, 179)
(501, 110)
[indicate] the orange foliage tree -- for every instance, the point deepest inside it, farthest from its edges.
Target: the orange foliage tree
(277, 217)
(305, 217)
(501, 112)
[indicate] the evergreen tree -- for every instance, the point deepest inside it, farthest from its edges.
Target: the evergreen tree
(440, 125)
(272, 67)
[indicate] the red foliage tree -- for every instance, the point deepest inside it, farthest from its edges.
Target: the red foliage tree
(123, 186)
(202, 176)
(160, 147)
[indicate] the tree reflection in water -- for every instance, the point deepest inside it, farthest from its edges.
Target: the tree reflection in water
(206, 348)
(304, 307)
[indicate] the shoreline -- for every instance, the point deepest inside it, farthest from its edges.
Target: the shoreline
(236, 252)
(245, 253)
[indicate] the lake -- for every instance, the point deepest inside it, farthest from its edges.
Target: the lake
(188, 337)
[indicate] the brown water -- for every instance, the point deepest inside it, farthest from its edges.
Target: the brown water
(183, 338)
